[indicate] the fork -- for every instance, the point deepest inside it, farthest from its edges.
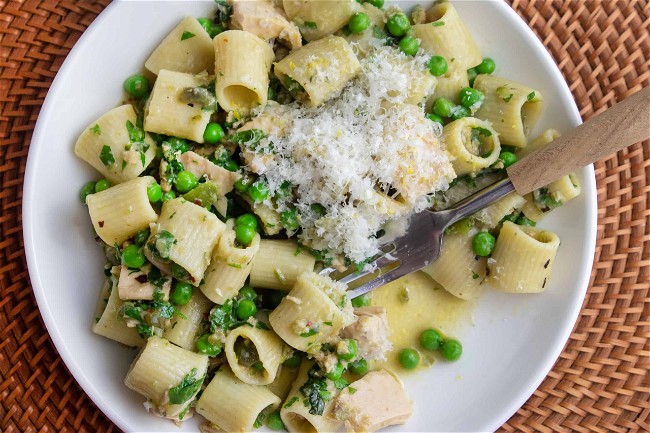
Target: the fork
(622, 125)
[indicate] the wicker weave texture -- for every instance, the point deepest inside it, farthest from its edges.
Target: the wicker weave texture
(601, 381)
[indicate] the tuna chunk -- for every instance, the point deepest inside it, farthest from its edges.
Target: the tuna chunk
(134, 285)
(263, 19)
(371, 332)
(376, 401)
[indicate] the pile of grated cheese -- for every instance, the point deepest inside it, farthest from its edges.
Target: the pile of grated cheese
(340, 154)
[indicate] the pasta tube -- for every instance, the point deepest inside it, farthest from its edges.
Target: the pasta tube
(278, 263)
(186, 328)
(295, 412)
(108, 320)
(319, 70)
(233, 405)
(512, 108)
(254, 354)
(473, 143)
(458, 270)
(310, 314)
(168, 376)
(188, 48)
(449, 86)
(121, 211)
(284, 379)
(242, 66)
(115, 146)
(522, 259)
(537, 144)
(185, 234)
(229, 269)
(319, 18)
(180, 105)
(446, 35)
(491, 216)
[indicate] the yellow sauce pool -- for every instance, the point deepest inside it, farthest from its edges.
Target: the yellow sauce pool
(415, 303)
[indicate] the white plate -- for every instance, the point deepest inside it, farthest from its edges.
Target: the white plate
(508, 349)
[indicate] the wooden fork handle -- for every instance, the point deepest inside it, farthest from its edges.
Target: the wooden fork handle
(622, 125)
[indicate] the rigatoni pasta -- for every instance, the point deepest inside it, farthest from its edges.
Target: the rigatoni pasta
(187, 326)
(319, 18)
(474, 144)
(254, 354)
(278, 263)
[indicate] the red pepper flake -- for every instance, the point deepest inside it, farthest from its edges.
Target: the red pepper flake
(198, 201)
(101, 223)
(141, 279)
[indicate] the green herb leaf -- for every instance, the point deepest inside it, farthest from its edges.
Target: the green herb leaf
(259, 421)
(340, 383)
(482, 131)
(530, 96)
(136, 133)
(291, 401)
(379, 33)
(250, 138)
(312, 331)
(224, 317)
(96, 129)
(315, 392)
(187, 35)
(474, 275)
(161, 244)
(310, 25)
(185, 390)
(438, 23)
(106, 156)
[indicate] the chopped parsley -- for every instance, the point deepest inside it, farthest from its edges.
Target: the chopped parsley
(250, 138)
(291, 401)
(187, 35)
(438, 24)
(187, 389)
(96, 129)
(530, 96)
(259, 421)
(106, 156)
(474, 275)
(315, 392)
(223, 12)
(161, 244)
(224, 317)
(310, 25)
(312, 331)
(136, 138)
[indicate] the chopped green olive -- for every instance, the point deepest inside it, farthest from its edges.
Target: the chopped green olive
(483, 244)
(136, 86)
(181, 293)
(132, 257)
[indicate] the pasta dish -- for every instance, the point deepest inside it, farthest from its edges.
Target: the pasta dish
(274, 139)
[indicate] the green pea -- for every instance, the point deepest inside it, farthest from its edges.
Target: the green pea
(359, 22)
(154, 192)
(358, 367)
(243, 183)
(451, 349)
(86, 190)
(289, 219)
(245, 309)
(245, 234)
(186, 181)
(431, 339)
(438, 66)
(471, 75)
(442, 107)
(508, 158)
(258, 191)
(347, 350)
(512, 218)
(136, 86)
(181, 294)
(213, 133)
(434, 118)
(361, 301)
(101, 185)
(469, 96)
(179, 272)
(398, 24)
(376, 3)
(247, 219)
(487, 66)
(132, 257)
(294, 361)
(458, 112)
(336, 372)
(206, 24)
(409, 45)
(204, 346)
(141, 237)
(483, 244)
(169, 195)
(274, 421)
(231, 165)
(177, 144)
(247, 292)
(409, 358)
(522, 220)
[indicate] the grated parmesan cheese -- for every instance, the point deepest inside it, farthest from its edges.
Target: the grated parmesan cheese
(348, 154)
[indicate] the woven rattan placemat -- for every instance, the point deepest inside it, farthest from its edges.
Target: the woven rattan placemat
(601, 381)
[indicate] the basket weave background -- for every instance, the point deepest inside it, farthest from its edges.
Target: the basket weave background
(601, 381)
